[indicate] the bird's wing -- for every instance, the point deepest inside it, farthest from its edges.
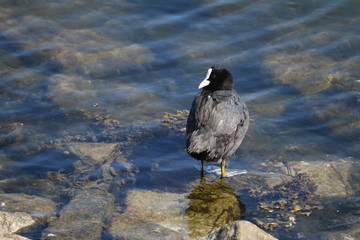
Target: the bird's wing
(217, 124)
(227, 114)
(220, 112)
(199, 112)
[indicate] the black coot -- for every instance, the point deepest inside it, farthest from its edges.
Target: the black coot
(218, 119)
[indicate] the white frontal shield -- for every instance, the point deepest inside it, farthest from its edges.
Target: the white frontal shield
(206, 81)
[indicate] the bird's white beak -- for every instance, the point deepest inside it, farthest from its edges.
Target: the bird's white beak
(206, 81)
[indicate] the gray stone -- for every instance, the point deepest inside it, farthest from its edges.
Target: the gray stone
(125, 226)
(164, 208)
(155, 214)
(239, 230)
(74, 230)
(11, 222)
(84, 217)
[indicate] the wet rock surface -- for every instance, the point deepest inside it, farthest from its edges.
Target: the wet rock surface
(239, 230)
(132, 227)
(161, 208)
(91, 153)
(11, 222)
(332, 178)
(84, 217)
(37, 207)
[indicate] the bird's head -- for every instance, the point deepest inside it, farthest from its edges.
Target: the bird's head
(217, 78)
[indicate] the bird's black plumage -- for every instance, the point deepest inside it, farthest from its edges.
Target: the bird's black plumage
(218, 118)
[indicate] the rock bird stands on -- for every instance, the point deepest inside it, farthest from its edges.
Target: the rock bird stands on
(218, 119)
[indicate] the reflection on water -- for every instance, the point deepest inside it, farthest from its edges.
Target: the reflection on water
(211, 206)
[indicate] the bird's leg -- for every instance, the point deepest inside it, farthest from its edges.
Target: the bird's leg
(223, 164)
(202, 168)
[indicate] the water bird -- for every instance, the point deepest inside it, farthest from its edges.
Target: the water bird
(218, 119)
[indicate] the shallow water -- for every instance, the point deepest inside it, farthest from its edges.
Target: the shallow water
(295, 63)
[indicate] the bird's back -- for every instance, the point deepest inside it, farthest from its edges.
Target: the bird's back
(216, 125)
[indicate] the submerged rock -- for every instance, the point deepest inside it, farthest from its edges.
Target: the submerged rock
(330, 88)
(84, 217)
(339, 220)
(100, 165)
(90, 53)
(239, 230)
(105, 61)
(161, 214)
(345, 75)
(83, 51)
(341, 112)
(306, 72)
(94, 169)
(158, 207)
(310, 73)
(332, 178)
(37, 207)
(258, 180)
(351, 234)
(259, 105)
(125, 226)
(91, 153)
(11, 133)
(81, 93)
(65, 89)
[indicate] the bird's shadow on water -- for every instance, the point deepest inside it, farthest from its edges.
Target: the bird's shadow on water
(212, 204)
